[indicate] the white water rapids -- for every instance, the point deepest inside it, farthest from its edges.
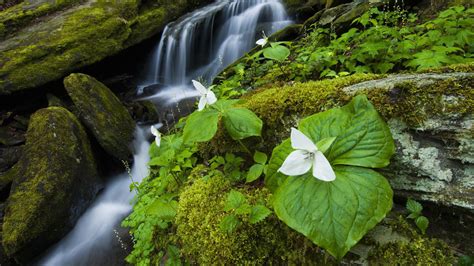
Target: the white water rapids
(199, 45)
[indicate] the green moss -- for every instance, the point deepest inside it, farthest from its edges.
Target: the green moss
(200, 212)
(54, 180)
(103, 113)
(19, 16)
(417, 250)
(78, 37)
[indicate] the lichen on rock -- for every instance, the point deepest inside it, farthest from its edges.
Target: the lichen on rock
(54, 182)
(102, 113)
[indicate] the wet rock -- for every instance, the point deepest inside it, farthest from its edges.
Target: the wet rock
(9, 156)
(102, 113)
(54, 182)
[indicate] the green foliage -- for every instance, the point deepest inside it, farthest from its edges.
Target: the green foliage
(415, 210)
(276, 52)
(358, 199)
(238, 209)
(380, 42)
(258, 168)
(239, 122)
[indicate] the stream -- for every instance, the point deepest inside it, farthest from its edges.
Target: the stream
(197, 46)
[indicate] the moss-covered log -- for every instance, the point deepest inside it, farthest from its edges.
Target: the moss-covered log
(54, 182)
(75, 37)
(102, 113)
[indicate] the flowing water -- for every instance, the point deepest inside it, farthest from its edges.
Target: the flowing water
(197, 46)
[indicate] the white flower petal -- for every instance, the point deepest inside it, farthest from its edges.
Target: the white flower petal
(158, 141)
(202, 103)
(154, 131)
(199, 87)
(211, 97)
(301, 142)
(261, 42)
(322, 169)
(297, 163)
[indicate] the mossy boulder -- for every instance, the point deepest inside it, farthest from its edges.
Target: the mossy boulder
(55, 180)
(77, 35)
(430, 116)
(102, 113)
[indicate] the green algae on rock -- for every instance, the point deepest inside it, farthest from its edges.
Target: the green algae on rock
(55, 180)
(102, 113)
(79, 36)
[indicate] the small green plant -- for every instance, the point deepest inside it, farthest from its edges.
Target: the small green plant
(415, 209)
(238, 210)
(258, 168)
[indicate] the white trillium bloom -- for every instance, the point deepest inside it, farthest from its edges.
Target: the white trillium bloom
(305, 156)
(263, 41)
(207, 96)
(157, 135)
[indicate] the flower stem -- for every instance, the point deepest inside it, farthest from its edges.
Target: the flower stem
(245, 147)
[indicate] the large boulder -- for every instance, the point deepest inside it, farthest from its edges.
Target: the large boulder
(102, 113)
(55, 180)
(44, 41)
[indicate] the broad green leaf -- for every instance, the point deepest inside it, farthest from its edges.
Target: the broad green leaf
(163, 210)
(260, 157)
(223, 105)
(278, 53)
(363, 137)
(242, 123)
(258, 214)
(422, 223)
(414, 215)
(273, 178)
(201, 126)
(324, 144)
(243, 209)
(254, 172)
(229, 224)
(334, 215)
(234, 200)
(414, 206)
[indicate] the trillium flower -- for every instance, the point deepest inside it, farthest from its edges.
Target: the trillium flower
(157, 135)
(263, 41)
(207, 96)
(305, 157)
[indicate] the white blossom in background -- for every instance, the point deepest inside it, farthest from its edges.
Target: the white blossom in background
(305, 157)
(207, 96)
(263, 41)
(157, 135)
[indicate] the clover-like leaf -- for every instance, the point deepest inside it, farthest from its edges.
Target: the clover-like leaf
(258, 214)
(334, 215)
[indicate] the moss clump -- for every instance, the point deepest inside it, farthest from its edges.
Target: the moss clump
(54, 181)
(200, 212)
(416, 250)
(103, 113)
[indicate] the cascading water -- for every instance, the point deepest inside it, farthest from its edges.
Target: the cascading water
(197, 46)
(203, 43)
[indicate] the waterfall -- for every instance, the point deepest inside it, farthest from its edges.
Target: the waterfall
(204, 42)
(199, 45)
